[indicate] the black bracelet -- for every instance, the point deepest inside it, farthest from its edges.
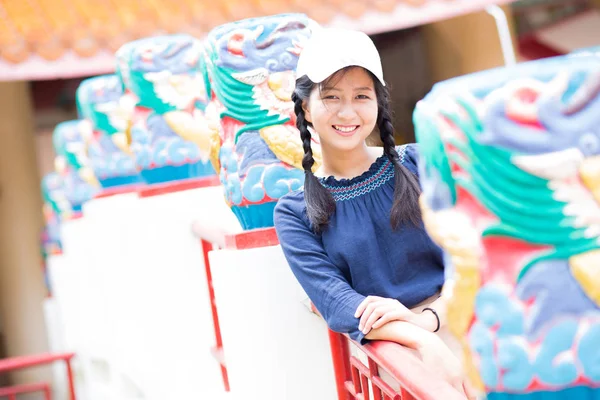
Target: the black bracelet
(436, 317)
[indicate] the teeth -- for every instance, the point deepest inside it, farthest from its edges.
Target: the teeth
(344, 128)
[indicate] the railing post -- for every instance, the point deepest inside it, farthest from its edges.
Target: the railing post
(47, 393)
(340, 355)
(206, 248)
(70, 376)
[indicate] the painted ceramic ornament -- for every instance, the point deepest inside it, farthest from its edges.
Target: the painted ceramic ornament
(510, 171)
(169, 135)
(107, 112)
(55, 208)
(79, 184)
(251, 65)
(51, 243)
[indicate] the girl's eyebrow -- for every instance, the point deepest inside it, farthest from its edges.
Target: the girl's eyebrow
(327, 88)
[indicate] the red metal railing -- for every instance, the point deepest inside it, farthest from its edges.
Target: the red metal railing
(411, 379)
(217, 351)
(12, 391)
(355, 380)
(15, 363)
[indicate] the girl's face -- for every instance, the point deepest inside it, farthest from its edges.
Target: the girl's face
(343, 111)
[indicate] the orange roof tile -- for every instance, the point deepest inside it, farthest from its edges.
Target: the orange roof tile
(67, 38)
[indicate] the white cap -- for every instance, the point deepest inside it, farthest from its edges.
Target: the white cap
(330, 49)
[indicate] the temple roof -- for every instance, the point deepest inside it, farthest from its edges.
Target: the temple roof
(46, 39)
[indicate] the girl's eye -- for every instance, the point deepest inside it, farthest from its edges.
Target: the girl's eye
(362, 97)
(330, 97)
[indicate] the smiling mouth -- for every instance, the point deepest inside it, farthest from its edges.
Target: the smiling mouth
(345, 130)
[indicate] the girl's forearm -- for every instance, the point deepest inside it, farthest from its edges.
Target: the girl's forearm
(401, 332)
(427, 320)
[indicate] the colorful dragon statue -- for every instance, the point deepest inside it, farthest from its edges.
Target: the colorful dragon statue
(510, 173)
(55, 207)
(79, 184)
(169, 135)
(55, 204)
(258, 152)
(107, 113)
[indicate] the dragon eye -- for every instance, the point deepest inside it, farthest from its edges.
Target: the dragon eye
(235, 43)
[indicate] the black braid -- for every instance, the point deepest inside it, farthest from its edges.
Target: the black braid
(406, 192)
(320, 204)
(307, 160)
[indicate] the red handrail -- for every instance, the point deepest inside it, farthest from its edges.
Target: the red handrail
(16, 363)
(354, 378)
(12, 391)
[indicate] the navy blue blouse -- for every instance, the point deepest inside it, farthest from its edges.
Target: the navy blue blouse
(359, 254)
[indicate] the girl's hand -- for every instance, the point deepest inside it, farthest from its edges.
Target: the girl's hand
(375, 311)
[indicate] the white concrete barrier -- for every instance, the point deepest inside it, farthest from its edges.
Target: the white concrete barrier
(172, 322)
(274, 346)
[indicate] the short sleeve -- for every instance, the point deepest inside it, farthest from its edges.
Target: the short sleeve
(323, 281)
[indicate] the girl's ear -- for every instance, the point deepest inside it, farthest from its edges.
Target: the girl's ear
(307, 116)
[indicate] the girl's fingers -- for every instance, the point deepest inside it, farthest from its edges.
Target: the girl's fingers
(363, 305)
(387, 317)
(374, 317)
(372, 307)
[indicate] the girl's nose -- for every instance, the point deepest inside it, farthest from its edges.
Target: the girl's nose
(346, 111)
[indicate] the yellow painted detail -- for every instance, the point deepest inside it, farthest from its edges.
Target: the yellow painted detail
(590, 175)
(194, 128)
(585, 267)
(284, 141)
(455, 234)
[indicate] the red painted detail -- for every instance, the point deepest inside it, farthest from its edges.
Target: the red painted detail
(468, 205)
(235, 44)
(218, 351)
(74, 216)
(178, 186)
(246, 203)
(118, 190)
(252, 239)
(15, 363)
(12, 391)
(354, 379)
(508, 256)
(532, 49)
(230, 127)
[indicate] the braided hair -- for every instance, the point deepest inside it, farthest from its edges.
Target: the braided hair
(320, 204)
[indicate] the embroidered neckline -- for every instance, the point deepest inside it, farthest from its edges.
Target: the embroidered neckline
(380, 172)
(333, 182)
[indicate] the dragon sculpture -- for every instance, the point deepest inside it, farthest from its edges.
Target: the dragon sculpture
(169, 135)
(510, 171)
(257, 151)
(73, 164)
(107, 113)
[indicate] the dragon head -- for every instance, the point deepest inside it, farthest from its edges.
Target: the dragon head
(252, 65)
(101, 101)
(510, 171)
(165, 73)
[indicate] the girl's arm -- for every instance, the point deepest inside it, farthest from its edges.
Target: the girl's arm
(427, 319)
(434, 353)
(322, 280)
(401, 332)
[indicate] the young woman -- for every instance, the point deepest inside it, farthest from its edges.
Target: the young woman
(354, 236)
